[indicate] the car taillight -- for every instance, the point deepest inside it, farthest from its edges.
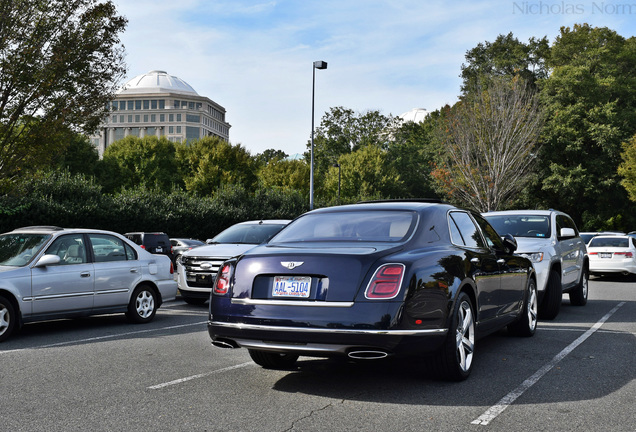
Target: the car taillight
(171, 268)
(386, 282)
(142, 246)
(627, 254)
(222, 284)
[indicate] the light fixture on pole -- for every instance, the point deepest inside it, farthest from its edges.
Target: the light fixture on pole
(317, 65)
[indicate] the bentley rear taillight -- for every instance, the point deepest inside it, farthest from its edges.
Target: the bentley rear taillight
(222, 284)
(386, 282)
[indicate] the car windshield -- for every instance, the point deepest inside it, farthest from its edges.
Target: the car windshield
(19, 249)
(536, 226)
(619, 242)
(359, 226)
(247, 233)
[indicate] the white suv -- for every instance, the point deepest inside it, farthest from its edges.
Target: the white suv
(552, 242)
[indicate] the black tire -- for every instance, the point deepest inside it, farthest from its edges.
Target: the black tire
(8, 318)
(578, 295)
(526, 326)
(143, 305)
(551, 304)
(273, 360)
(454, 360)
(197, 301)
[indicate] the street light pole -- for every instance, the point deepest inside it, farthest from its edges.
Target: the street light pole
(316, 65)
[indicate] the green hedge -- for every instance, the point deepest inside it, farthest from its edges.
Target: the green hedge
(75, 201)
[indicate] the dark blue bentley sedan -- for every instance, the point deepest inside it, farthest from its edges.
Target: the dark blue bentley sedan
(374, 279)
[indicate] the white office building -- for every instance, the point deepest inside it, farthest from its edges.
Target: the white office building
(159, 104)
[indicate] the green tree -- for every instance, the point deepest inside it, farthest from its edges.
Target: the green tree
(412, 152)
(627, 169)
(285, 174)
(60, 63)
(343, 131)
(148, 161)
(209, 163)
(78, 157)
(505, 57)
(365, 174)
(590, 107)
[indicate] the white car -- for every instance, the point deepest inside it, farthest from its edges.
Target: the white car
(612, 254)
(51, 272)
(197, 268)
(552, 242)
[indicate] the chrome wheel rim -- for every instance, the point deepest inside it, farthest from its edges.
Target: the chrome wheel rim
(5, 318)
(145, 304)
(584, 285)
(533, 307)
(465, 336)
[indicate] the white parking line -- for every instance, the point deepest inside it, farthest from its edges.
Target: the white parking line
(181, 380)
(113, 336)
(507, 400)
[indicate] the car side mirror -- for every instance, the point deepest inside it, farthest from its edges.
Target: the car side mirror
(509, 243)
(567, 233)
(48, 260)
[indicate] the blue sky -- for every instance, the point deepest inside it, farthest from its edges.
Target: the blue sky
(255, 57)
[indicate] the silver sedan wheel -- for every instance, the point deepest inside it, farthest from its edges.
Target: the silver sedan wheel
(5, 319)
(145, 304)
(465, 336)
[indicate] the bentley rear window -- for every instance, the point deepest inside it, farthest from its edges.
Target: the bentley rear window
(359, 226)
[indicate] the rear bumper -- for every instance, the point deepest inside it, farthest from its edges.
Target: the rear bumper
(322, 342)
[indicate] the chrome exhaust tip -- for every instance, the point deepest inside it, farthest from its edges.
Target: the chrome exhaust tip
(224, 343)
(368, 355)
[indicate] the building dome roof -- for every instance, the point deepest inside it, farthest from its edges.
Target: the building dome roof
(156, 81)
(416, 115)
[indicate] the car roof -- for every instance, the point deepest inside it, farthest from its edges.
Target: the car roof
(53, 229)
(405, 204)
(266, 222)
(521, 212)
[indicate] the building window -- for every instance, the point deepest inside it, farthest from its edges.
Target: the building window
(151, 131)
(121, 118)
(137, 118)
(114, 119)
(119, 134)
(178, 129)
(130, 117)
(162, 103)
(122, 105)
(170, 117)
(153, 104)
(162, 118)
(145, 118)
(153, 117)
(146, 104)
(178, 117)
(134, 131)
(191, 118)
(137, 104)
(131, 105)
(170, 129)
(176, 103)
(192, 133)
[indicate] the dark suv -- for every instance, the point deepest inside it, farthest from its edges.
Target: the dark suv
(153, 242)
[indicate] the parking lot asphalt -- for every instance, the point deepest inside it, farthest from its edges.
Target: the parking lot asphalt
(102, 373)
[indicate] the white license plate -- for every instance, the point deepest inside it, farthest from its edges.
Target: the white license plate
(605, 254)
(159, 249)
(291, 286)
